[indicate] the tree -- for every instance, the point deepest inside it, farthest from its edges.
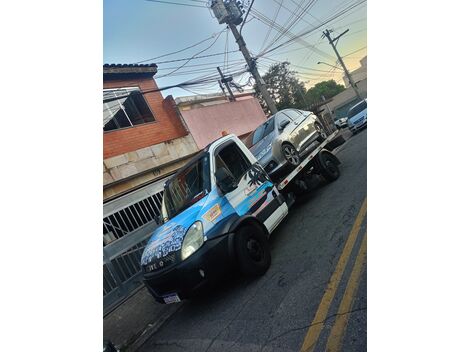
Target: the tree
(282, 84)
(328, 89)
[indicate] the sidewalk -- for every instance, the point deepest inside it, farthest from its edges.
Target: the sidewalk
(130, 325)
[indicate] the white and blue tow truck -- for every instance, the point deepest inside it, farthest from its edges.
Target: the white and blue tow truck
(218, 212)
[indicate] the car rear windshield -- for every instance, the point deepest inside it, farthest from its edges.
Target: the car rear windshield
(261, 132)
(187, 187)
(357, 109)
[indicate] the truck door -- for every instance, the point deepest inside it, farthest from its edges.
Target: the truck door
(255, 193)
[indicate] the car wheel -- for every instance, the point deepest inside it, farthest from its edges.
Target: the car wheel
(321, 131)
(252, 249)
(329, 168)
(291, 154)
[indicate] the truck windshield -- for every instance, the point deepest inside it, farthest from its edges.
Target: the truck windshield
(357, 109)
(187, 187)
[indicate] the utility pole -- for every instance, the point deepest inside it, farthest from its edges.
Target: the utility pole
(225, 81)
(327, 106)
(230, 13)
(222, 87)
(332, 121)
(326, 33)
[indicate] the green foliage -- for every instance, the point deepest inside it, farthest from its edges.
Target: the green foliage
(328, 89)
(282, 84)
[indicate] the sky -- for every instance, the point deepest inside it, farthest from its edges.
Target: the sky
(138, 30)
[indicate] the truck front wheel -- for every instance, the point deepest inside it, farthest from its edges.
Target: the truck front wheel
(252, 249)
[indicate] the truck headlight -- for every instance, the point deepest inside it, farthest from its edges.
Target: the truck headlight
(193, 240)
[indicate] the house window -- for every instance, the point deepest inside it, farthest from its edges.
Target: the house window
(129, 110)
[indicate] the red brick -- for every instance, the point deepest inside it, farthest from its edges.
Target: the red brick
(168, 124)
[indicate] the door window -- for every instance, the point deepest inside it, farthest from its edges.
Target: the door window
(233, 159)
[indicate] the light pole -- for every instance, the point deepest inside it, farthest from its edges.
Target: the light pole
(324, 63)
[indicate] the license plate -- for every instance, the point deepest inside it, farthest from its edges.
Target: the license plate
(173, 298)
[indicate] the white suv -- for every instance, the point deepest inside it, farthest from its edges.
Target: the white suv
(357, 116)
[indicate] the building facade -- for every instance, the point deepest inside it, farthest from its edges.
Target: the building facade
(144, 136)
(358, 74)
(207, 116)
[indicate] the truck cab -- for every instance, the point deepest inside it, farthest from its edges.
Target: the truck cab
(217, 212)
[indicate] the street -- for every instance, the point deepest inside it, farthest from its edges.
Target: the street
(312, 298)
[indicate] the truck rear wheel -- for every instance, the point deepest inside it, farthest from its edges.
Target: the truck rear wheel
(252, 249)
(329, 167)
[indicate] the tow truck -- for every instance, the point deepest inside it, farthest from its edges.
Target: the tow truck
(218, 212)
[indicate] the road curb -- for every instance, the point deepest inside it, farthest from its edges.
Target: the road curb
(151, 329)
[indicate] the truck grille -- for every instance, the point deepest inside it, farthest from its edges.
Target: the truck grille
(161, 263)
(359, 121)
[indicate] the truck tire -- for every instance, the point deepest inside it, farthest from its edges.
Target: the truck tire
(329, 168)
(252, 250)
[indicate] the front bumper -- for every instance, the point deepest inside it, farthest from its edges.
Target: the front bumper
(359, 126)
(214, 259)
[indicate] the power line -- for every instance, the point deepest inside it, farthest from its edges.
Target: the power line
(176, 3)
(355, 51)
(271, 27)
(195, 82)
(179, 51)
(197, 65)
(246, 16)
(197, 57)
(302, 67)
(283, 26)
(202, 70)
(192, 57)
(298, 16)
(226, 54)
(333, 17)
(279, 28)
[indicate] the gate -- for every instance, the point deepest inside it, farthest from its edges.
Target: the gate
(128, 222)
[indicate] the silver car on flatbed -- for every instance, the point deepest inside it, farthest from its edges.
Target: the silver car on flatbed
(284, 138)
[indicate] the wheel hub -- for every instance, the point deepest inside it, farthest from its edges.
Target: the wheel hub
(291, 155)
(330, 166)
(255, 251)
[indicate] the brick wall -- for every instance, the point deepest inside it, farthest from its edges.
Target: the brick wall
(167, 125)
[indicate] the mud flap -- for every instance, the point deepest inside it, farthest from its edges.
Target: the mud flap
(335, 143)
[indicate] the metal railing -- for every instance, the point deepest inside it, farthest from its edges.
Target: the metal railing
(126, 229)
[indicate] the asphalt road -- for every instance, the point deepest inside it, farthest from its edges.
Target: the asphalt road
(312, 298)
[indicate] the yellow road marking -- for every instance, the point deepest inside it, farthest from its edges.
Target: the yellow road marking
(336, 335)
(318, 321)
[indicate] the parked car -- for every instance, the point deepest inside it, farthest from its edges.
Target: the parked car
(357, 116)
(341, 122)
(286, 137)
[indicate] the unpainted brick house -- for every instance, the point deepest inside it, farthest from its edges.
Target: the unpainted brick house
(144, 137)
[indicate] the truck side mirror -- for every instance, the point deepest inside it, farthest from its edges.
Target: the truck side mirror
(225, 180)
